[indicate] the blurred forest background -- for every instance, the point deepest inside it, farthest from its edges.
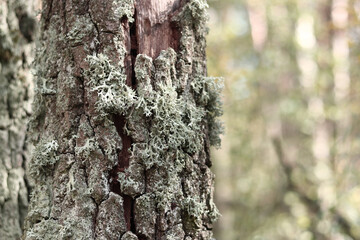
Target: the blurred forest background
(289, 163)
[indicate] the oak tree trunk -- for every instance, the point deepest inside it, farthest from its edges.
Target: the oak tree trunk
(17, 25)
(124, 117)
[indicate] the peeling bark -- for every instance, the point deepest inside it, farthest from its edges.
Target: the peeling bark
(126, 115)
(17, 29)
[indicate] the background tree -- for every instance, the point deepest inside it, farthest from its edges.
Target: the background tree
(124, 117)
(17, 29)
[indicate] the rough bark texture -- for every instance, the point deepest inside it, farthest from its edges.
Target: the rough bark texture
(124, 116)
(17, 27)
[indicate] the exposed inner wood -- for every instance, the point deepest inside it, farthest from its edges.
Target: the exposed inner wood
(155, 29)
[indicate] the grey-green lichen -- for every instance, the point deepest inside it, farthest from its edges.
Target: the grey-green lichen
(175, 118)
(44, 157)
(82, 26)
(85, 150)
(48, 229)
(195, 210)
(45, 70)
(44, 88)
(175, 129)
(208, 95)
(41, 192)
(194, 14)
(132, 179)
(124, 8)
(129, 236)
(109, 83)
(197, 9)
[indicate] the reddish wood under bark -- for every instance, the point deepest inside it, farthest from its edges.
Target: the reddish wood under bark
(155, 28)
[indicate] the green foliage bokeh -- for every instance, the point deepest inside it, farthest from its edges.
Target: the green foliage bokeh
(288, 167)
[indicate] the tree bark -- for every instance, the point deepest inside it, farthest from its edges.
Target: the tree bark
(17, 26)
(124, 116)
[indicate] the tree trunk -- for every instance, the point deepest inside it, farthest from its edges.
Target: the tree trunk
(124, 116)
(17, 27)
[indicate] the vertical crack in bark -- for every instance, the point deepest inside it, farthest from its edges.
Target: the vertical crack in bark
(96, 28)
(133, 48)
(120, 121)
(48, 15)
(132, 217)
(64, 15)
(123, 163)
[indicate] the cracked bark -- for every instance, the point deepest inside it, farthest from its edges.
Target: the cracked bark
(17, 28)
(80, 195)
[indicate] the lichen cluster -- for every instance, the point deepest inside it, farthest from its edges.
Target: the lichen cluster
(43, 158)
(175, 118)
(124, 8)
(207, 93)
(196, 12)
(109, 83)
(171, 121)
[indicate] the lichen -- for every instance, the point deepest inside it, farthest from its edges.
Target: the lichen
(208, 94)
(43, 158)
(110, 84)
(40, 204)
(177, 120)
(132, 180)
(194, 209)
(176, 233)
(198, 10)
(194, 14)
(85, 150)
(47, 230)
(81, 28)
(145, 215)
(44, 69)
(129, 236)
(124, 8)
(44, 89)
(213, 212)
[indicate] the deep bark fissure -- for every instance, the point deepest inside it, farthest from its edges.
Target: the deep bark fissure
(120, 122)
(48, 15)
(123, 163)
(95, 26)
(64, 15)
(133, 48)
